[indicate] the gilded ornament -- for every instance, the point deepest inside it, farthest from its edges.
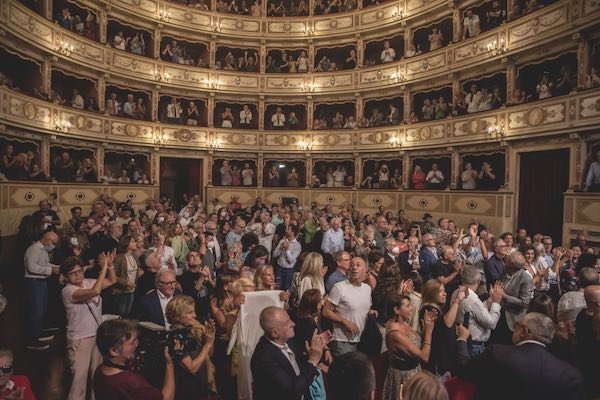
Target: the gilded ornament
(80, 122)
(597, 105)
(379, 14)
(535, 116)
(29, 110)
(239, 25)
(474, 126)
(131, 130)
(425, 133)
(284, 140)
(333, 23)
(185, 135)
(236, 139)
(332, 140)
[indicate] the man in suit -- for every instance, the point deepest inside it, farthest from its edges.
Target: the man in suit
(428, 256)
(518, 292)
(151, 307)
(392, 251)
(524, 370)
(279, 370)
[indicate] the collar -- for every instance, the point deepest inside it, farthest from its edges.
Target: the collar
(283, 347)
(530, 341)
(9, 386)
(161, 296)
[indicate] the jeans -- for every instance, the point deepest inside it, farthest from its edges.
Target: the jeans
(477, 349)
(339, 348)
(123, 303)
(36, 293)
(286, 276)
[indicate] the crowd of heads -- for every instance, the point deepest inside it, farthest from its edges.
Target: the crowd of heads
(244, 61)
(83, 24)
(183, 54)
(135, 44)
(128, 106)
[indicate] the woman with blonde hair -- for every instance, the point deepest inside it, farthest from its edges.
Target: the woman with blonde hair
(424, 386)
(264, 278)
(194, 373)
(312, 274)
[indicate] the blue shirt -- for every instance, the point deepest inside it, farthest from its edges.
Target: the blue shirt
(333, 242)
(334, 278)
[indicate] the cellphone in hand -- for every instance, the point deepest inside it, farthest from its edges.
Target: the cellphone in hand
(466, 319)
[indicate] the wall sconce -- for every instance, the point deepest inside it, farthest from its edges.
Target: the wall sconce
(160, 138)
(494, 49)
(65, 49)
(496, 132)
(63, 126)
(164, 15)
(306, 145)
(395, 141)
(213, 143)
(398, 14)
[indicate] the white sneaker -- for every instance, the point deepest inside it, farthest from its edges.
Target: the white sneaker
(47, 338)
(37, 347)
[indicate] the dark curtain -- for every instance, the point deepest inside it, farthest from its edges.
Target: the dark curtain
(179, 176)
(544, 177)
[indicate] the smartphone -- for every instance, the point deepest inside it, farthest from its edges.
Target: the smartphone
(466, 319)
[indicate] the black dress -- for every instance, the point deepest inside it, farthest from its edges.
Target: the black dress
(443, 344)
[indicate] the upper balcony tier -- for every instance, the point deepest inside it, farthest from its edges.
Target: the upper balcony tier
(558, 21)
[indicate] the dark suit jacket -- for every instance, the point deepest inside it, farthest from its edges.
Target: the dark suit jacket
(527, 372)
(274, 377)
(148, 309)
(426, 261)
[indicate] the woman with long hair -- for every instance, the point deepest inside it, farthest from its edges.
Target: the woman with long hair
(376, 261)
(388, 283)
(127, 266)
(407, 349)
(444, 335)
(312, 274)
(257, 257)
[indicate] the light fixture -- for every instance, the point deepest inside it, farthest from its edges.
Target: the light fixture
(213, 143)
(395, 141)
(164, 15)
(398, 14)
(496, 132)
(160, 138)
(63, 126)
(65, 49)
(494, 48)
(306, 145)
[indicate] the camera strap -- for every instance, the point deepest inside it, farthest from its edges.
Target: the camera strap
(117, 366)
(93, 315)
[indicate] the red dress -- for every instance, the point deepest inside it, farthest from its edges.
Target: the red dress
(418, 180)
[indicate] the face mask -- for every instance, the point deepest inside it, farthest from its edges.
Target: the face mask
(260, 261)
(161, 220)
(396, 251)
(210, 245)
(74, 241)
(223, 214)
(49, 247)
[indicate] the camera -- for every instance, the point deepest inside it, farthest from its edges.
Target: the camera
(152, 340)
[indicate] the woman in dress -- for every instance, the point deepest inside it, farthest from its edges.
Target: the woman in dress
(247, 175)
(140, 109)
(127, 266)
(293, 178)
(225, 174)
(273, 176)
(436, 39)
(236, 177)
(407, 350)
(384, 177)
(227, 118)
(194, 373)
(192, 114)
(418, 178)
(303, 62)
(544, 87)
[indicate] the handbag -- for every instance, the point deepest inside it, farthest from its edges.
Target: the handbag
(371, 339)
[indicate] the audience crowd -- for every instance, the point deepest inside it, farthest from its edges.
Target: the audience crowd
(341, 296)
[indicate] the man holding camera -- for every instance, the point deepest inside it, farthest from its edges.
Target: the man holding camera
(117, 341)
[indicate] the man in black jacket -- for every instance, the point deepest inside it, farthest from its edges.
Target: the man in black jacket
(278, 369)
(525, 370)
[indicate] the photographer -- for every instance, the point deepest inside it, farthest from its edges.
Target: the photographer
(117, 341)
(194, 372)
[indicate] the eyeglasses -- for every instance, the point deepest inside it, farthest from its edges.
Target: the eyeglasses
(345, 259)
(6, 369)
(76, 272)
(173, 283)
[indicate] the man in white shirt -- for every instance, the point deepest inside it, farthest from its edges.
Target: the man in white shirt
(388, 54)
(471, 26)
(278, 119)
(347, 306)
(483, 317)
(174, 111)
(129, 107)
(234, 236)
(286, 253)
(37, 269)
(245, 117)
(264, 230)
(333, 239)
(473, 99)
(435, 178)
(77, 100)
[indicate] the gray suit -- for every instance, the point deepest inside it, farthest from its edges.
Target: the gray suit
(519, 292)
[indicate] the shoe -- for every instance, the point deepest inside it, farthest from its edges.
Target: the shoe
(37, 347)
(47, 338)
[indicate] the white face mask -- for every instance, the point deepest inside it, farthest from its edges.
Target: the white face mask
(396, 251)
(210, 245)
(74, 241)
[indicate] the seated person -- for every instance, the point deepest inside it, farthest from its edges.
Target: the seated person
(13, 386)
(151, 307)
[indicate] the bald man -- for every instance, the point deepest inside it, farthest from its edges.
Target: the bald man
(279, 370)
(37, 269)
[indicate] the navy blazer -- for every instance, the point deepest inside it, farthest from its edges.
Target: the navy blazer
(525, 372)
(273, 374)
(149, 310)
(426, 262)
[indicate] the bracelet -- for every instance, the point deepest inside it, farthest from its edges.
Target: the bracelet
(461, 340)
(426, 344)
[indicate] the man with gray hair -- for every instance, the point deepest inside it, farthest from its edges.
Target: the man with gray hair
(518, 292)
(523, 370)
(333, 239)
(151, 307)
(483, 316)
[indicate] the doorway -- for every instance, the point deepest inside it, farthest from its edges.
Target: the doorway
(543, 178)
(179, 176)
